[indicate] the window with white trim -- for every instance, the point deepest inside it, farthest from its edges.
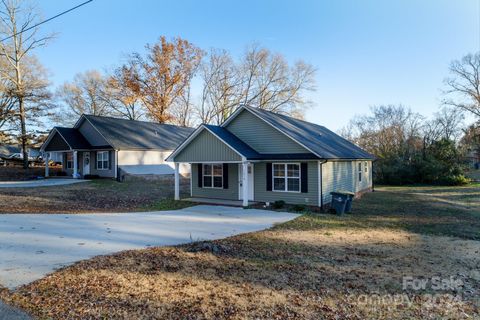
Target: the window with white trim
(360, 172)
(365, 164)
(103, 160)
(213, 175)
(286, 177)
(69, 164)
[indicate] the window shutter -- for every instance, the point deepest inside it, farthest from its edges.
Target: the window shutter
(110, 160)
(64, 160)
(269, 176)
(200, 174)
(304, 176)
(225, 176)
(95, 159)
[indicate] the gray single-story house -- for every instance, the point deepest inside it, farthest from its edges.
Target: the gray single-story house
(257, 155)
(106, 146)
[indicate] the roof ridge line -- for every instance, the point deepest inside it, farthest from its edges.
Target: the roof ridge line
(142, 121)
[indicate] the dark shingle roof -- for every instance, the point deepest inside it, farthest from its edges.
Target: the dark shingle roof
(323, 142)
(8, 150)
(131, 134)
(233, 141)
(247, 151)
(73, 138)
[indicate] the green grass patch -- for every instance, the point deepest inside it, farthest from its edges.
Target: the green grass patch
(436, 210)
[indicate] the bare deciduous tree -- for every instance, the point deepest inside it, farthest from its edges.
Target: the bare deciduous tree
(221, 91)
(387, 131)
(20, 38)
(270, 83)
(7, 102)
(464, 84)
(260, 79)
(86, 94)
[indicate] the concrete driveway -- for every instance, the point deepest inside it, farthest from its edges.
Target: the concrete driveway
(32, 245)
(39, 183)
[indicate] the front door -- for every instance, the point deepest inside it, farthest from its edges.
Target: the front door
(86, 163)
(250, 182)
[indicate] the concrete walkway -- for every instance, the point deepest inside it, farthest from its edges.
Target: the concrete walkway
(39, 183)
(33, 245)
(9, 313)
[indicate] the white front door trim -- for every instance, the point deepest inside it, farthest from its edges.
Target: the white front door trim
(86, 163)
(250, 181)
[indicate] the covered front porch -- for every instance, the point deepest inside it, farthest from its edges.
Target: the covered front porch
(228, 183)
(79, 164)
(79, 158)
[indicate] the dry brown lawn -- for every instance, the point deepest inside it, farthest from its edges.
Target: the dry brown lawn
(314, 267)
(103, 195)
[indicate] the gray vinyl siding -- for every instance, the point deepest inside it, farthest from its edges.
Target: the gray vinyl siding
(110, 173)
(69, 172)
(261, 194)
(92, 135)
(230, 194)
(57, 144)
(343, 176)
(206, 147)
(261, 136)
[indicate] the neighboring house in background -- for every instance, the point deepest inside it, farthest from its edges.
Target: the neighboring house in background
(256, 155)
(110, 147)
(15, 152)
(9, 151)
(473, 159)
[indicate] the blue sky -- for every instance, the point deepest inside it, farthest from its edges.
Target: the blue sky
(366, 52)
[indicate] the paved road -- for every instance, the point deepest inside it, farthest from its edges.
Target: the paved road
(39, 183)
(9, 313)
(32, 245)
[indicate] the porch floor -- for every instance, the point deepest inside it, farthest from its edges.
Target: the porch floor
(223, 202)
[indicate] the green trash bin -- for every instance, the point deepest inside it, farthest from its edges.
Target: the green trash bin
(339, 202)
(350, 196)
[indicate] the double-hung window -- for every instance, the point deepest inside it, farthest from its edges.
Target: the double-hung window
(359, 171)
(286, 177)
(102, 160)
(69, 164)
(213, 176)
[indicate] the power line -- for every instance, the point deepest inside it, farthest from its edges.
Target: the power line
(49, 19)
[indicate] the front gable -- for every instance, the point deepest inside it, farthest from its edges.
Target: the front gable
(91, 134)
(57, 143)
(206, 147)
(261, 136)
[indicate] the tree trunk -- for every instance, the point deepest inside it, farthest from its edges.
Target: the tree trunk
(23, 133)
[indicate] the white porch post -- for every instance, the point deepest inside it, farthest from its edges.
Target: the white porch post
(47, 159)
(245, 183)
(177, 181)
(75, 164)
